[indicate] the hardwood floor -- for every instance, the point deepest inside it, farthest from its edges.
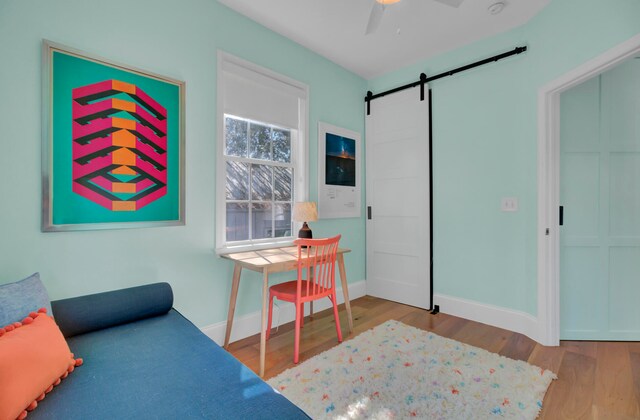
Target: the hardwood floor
(596, 380)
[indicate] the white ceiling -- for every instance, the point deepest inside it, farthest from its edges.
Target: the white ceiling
(410, 31)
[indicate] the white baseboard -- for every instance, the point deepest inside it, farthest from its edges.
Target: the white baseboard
(248, 325)
(508, 319)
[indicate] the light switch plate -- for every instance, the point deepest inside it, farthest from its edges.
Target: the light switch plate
(509, 204)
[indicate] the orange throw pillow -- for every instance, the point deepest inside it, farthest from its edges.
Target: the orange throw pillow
(34, 357)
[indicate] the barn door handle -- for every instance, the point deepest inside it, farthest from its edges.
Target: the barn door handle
(561, 215)
(369, 212)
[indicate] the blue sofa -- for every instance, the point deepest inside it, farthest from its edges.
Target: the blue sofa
(143, 359)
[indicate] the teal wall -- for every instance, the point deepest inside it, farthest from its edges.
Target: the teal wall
(485, 145)
(178, 39)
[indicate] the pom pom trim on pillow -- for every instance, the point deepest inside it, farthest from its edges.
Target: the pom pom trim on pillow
(72, 364)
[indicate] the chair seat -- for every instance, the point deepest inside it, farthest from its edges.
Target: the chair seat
(287, 291)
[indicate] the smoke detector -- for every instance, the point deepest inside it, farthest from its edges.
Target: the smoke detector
(496, 7)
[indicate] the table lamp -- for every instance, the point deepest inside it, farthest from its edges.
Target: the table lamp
(304, 212)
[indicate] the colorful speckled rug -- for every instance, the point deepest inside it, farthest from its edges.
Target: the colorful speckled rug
(398, 371)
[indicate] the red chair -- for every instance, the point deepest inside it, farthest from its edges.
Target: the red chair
(316, 279)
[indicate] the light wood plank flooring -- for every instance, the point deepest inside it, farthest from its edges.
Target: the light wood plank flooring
(596, 380)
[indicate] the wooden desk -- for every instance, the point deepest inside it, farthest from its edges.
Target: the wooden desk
(273, 260)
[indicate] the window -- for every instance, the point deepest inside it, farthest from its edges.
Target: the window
(259, 180)
(262, 163)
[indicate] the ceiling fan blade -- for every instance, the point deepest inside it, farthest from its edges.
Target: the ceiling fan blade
(377, 10)
(452, 3)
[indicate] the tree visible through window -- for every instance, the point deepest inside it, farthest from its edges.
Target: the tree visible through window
(259, 180)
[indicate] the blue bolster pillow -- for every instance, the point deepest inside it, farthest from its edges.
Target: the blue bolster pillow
(88, 313)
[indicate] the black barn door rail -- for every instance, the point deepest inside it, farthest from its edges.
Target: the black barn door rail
(424, 79)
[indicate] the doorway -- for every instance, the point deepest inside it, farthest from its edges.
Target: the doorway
(549, 182)
(600, 199)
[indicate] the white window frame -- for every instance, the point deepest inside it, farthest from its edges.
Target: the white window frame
(299, 155)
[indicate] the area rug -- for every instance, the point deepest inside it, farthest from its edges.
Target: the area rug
(398, 371)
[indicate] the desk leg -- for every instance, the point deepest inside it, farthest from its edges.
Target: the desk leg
(345, 290)
(232, 303)
(263, 335)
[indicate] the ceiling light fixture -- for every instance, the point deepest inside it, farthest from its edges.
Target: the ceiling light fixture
(387, 1)
(496, 8)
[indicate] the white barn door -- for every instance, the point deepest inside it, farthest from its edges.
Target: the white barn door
(398, 229)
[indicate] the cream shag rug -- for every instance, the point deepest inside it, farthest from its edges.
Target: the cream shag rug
(398, 371)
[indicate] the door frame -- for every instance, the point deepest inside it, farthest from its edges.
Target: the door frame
(549, 182)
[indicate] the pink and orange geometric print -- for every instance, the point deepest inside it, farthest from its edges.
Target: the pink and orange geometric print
(119, 145)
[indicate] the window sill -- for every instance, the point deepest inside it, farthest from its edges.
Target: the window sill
(254, 247)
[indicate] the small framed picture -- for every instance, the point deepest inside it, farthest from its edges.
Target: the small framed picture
(339, 180)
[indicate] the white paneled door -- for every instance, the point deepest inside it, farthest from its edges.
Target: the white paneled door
(600, 194)
(398, 229)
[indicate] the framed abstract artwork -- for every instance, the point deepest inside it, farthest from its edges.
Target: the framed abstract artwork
(339, 180)
(113, 144)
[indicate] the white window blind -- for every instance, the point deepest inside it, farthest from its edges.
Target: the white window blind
(260, 97)
(262, 136)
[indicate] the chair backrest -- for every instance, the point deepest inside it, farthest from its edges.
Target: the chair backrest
(316, 263)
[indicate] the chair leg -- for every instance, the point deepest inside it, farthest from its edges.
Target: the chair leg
(270, 316)
(296, 344)
(335, 314)
(302, 317)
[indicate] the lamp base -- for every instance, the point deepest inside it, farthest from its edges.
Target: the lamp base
(305, 232)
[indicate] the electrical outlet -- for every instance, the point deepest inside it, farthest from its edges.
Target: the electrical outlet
(509, 204)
